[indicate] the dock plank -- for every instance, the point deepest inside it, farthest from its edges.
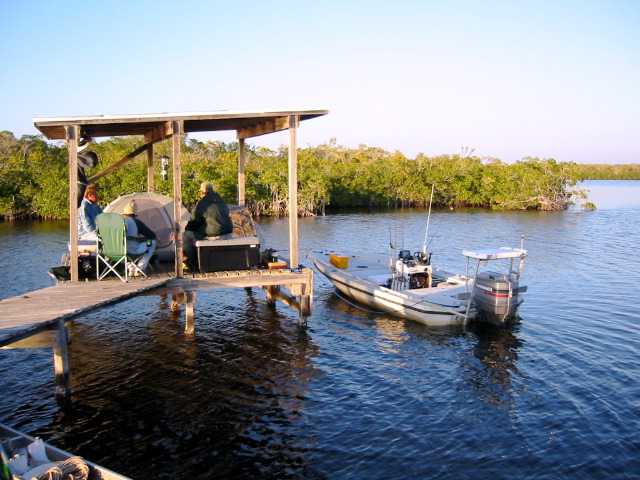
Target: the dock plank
(40, 309)
(33, 312)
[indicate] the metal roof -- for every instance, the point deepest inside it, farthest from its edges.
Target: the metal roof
(252, 122)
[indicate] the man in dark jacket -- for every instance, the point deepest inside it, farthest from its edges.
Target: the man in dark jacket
(210, 218)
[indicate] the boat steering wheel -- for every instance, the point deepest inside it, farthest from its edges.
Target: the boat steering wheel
(421, 258)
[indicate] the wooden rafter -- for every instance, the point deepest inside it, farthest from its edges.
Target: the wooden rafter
(119, 163)
(263, 128)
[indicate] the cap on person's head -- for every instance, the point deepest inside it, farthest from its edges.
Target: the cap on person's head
(130, 209)
(206, 187)
(90, 190)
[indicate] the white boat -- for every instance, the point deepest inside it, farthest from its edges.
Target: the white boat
(28, 457)
(410, 287)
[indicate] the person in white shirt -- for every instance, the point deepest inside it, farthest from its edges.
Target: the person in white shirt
(140, 238)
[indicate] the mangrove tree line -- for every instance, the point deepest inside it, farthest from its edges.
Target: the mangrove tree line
(34, 177)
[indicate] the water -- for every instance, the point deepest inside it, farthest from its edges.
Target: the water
(357, 395)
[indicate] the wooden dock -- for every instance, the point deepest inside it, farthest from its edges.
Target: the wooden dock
(45, 312)
(25, 315)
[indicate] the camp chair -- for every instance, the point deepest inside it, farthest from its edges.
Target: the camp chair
(112, 247)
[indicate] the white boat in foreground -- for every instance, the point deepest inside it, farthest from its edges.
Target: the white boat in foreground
(410, 287)
(28, 457)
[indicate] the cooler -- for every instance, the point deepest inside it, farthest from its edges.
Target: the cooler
(222, 253)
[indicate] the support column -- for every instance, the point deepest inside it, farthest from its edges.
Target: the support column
(61, 362)
(272, 294)
(177, 196)
(177, 299)
(151, 184)
(189, 312)
(293, 192)
(306, 298)
(72, 133)
(241, 173)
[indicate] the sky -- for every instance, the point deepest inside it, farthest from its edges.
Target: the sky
(507, 78)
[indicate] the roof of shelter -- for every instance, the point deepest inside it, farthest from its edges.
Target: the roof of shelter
(252, 123)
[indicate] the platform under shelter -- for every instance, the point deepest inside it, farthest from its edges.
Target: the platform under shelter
(78, 132)
(158, 127)
(38, 319)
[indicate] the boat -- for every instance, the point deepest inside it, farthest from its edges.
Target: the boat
(408, 286)
(27, 457)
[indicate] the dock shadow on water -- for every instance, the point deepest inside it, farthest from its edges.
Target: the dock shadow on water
(250, 395)
(151, 402)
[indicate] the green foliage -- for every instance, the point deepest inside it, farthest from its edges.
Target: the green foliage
(609, 172)
(34, 177)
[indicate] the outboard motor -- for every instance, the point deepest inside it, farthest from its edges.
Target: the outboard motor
(496, 296)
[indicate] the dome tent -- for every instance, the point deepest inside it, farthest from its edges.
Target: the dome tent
(156, 211)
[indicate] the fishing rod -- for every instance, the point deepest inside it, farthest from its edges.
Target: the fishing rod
(426, 233)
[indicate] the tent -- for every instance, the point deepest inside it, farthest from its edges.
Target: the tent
(156, 211)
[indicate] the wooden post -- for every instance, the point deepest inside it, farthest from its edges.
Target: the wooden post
(151, 184)
(241, 173)
(272, 294)
(177, 299)
(306, 298)
(293, 193)
(189, 312)
(61, 362)
(305, 310)
(72, 133)
(177, 196)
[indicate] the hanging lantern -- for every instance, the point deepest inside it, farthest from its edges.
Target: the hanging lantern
(165, 167)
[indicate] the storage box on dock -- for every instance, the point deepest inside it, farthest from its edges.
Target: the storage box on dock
(224, 253)
(340, 262)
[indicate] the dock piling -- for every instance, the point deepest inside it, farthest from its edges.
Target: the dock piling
(61, 361)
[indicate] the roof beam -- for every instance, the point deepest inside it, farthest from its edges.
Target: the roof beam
(262, 128)
(119, 163)
(159, 133)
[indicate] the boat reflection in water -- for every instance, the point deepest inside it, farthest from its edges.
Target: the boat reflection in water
(487, 369)
(497, 350)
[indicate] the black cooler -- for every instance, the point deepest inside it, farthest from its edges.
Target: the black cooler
(223, 253)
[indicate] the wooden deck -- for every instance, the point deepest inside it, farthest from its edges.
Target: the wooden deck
(25, 315)
(37, 319)
(33, 312)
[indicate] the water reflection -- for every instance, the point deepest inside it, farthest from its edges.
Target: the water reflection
(226, 402)
(497, 350)
(360, 395)
(488, 370)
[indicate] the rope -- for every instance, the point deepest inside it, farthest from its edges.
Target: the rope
(73, 468)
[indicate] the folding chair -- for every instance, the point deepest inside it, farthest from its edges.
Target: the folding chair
(112, 247)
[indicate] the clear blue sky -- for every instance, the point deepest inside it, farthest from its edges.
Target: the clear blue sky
(511, 78)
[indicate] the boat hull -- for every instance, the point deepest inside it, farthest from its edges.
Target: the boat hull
(408, 304)
(19, 440)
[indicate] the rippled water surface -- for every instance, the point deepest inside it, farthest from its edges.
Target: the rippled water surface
(357, 394)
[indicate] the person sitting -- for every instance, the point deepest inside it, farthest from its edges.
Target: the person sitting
(140, 239)
(87, 213)
(210, 218)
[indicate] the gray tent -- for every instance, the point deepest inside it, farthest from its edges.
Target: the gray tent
(156, 211)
